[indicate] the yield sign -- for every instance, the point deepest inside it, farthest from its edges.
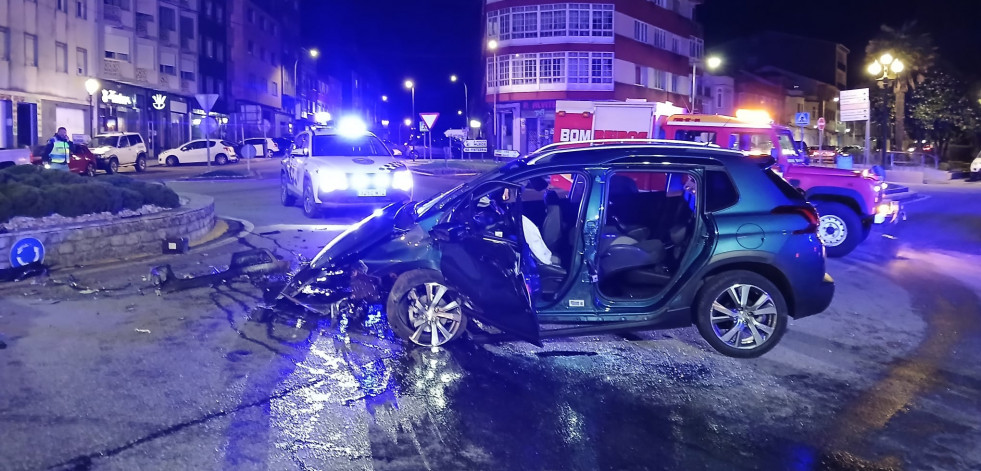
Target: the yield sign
(429, 119)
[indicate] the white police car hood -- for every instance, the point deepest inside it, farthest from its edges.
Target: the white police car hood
(373, 164)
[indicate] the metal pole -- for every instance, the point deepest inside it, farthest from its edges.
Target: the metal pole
(693, 71)
(868, 137)
(466, 109)
(497, 87)
(207, 141)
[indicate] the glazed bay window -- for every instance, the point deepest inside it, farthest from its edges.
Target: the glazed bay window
(551, 20)
(578, 67)
(601, 68)
(548, 68)
(551, 66)
(525, 69)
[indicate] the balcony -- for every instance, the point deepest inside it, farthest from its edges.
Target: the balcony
(144, 25)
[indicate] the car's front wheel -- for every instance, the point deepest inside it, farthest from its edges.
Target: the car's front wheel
(285, 196)
(113, 166)
(141, 163)
(171, 161)
(90, 170)
(424, 311)
(310, 207)
(840, 229)
(741, 314)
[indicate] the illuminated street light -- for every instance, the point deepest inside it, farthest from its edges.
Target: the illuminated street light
(896, 67)
(713, 62)
(384, 97)
(492, 46)
(407, 122)
(886, 69)
(875, 68)
(91, 86)
(474, 123)
(453, 78)
(412, 86)
(459, 112)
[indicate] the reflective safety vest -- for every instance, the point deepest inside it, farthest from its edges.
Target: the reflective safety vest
(59, 152)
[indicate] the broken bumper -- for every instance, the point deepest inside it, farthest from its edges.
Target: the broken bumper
(888, 212)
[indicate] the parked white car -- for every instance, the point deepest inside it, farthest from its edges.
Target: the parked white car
(115, 150)
(11, 157)
(976, 168)
(264, 147)
(196, 152)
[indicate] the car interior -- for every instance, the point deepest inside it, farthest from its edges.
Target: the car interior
(649, 223)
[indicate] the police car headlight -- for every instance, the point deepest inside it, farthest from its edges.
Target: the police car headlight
(332, 180)
(382, 180)
(402, 180)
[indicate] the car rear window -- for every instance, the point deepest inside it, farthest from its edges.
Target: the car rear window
(342, 146)
(785, 187)
(720, 193)
(135, 139)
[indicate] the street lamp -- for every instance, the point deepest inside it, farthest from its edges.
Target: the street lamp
(492, 46)
(711, 63)
(412, 86)
(466, 97)
(91, 86)
(384, 97)
(886, 70)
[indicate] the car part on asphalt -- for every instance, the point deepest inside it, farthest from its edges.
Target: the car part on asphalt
(246, 263)
(23, 272)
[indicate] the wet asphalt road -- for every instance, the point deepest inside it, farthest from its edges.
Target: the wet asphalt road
(109, 375)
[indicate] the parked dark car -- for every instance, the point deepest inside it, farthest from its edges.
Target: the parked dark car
(647, 236)
(82, 161)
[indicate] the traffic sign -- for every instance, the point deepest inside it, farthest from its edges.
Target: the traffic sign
(802, 119)
(26, 251)
(423, 127)
(429, 119)
(475, 145)
(821, 124)
(206, 100)
(857, 95)
(853, 105)
(247, 151)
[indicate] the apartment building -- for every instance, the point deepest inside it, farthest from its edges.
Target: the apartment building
(609, 50)
(47, 51)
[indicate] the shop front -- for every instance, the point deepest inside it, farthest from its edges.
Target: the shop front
(162, 118)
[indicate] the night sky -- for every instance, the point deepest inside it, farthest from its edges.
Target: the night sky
(428, 40)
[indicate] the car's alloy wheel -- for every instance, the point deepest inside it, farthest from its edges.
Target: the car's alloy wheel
(741, 314)
(310, 207)
(424, 311)
(221, 159)
(171, 161)
(90, 170)
(113, 166)
(141, 164)
(285, 196)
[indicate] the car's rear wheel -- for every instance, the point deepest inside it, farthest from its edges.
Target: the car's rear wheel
(171, 161)
(90, 169)
(141, 163)
(424, 311)
(221, 159)
(741, 314)
(285, 196)
(840, 229)
(113, 166)
(310, 207)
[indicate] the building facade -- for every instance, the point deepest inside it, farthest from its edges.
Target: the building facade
(608, 50)
(47, 51)
(264, 59)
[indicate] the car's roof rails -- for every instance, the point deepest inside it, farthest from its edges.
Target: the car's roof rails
(593, 142)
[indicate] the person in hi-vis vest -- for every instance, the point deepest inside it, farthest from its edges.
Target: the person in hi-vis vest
(58, 150)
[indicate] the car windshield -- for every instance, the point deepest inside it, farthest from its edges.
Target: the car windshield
(341, 146)
(102, 141)
(439, 201)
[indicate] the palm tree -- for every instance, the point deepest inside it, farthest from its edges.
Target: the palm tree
(917, 52)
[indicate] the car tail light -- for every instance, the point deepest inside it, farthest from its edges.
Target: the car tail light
(228, 149)
(806, 211)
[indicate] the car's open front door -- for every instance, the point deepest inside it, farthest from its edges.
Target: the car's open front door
(481, 257)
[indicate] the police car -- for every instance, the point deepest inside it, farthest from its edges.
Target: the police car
(346, 165)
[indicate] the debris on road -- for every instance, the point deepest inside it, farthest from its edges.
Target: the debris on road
(23, 272)
(143, 331)
(246, 263)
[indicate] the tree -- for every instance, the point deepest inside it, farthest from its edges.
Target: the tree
(940, 109)
(916, 51)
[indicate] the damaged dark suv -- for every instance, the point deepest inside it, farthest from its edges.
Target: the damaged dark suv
(599, 236)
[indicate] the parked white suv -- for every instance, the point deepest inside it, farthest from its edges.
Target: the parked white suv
(264, 147)
(115, 150)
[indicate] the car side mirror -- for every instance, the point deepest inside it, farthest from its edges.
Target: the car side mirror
(449, 232)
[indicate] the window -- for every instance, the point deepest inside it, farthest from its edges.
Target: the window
(220, 88)
(121, 4)
(553, 20)
(220, 51)
(660, 38)
(602, 67)
(81, 61)
(579, 67)
(63, 5)
(524, 22)
(273, 88)
(660, 79)
(602, 20)
(188, 69)
(696, 47)
(168, 63)
(4, 44)
(209, 10)
(720, 193)
(751, 143)
(251, 15)
(209, 48)
(168, 21)
(640, 31)
(117, 47)
(552, 67)
(61, 58)
(251, 48)
(525, 69)
(30, 50)
(219, 13)
(187, 32)
(135, 139)
(82, 9)
(579, 19)
(718, 99)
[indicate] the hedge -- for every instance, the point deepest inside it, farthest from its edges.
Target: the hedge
(32, 191)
